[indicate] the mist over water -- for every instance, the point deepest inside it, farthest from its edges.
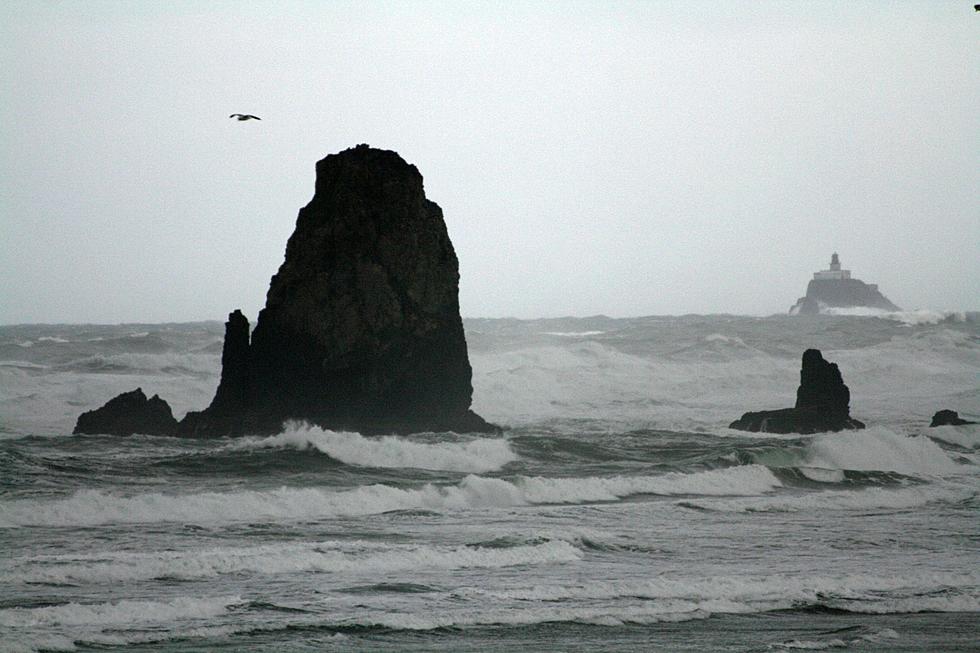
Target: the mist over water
(616, 512)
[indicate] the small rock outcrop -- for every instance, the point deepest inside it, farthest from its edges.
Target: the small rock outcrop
(129, 413)
(834, 288)
(361, 327)
(822, 403)
(948, 418)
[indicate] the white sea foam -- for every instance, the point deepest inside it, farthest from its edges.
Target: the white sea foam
(356, 557)
(966, 436)
(117, 612)
(478, 455)
(24, 365)
(878, 448)
(708, 383)
(762, 592)
(867, 499)
(672, 601)
(117, 623)
(744, 480)
(720, 337)
(91, 507)
(588, 379)
(876, 637)
(164, 363)
(911, 318)
(15, 642)
(573, 334)
(810, 645)
(648, 613)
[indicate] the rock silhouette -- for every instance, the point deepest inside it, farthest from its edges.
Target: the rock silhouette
(822, 403)
(844, 293)
(226, 414)
(361, 327)
(835, 288)
(129, 413)
(948, 418)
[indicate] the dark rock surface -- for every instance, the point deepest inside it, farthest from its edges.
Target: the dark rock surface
(129, 413)
(948, 418)
(840, 293)
(226, 413)
(361, 327)
(822, 403)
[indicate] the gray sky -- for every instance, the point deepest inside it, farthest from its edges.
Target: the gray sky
(618, 158)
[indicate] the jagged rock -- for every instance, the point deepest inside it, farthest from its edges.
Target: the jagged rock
(834, 288)
(225, 415)
(361, 328)
(822, 403)
(948, 418)
(129, 413)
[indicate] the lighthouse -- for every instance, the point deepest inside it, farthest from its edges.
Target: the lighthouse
(834, 272)
(834, 288)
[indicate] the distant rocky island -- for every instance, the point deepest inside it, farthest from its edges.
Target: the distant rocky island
(361, 328)
(834, 288)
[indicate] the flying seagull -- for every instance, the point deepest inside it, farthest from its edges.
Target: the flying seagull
(244, 116)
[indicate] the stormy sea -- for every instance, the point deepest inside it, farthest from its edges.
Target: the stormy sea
(615, 512)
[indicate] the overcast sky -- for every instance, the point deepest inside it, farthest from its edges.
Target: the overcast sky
(617, 158)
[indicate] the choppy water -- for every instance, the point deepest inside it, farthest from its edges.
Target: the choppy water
(616, 512)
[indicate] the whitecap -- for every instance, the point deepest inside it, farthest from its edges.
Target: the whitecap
(92, 507)
(966, 436)
(358, 557)
(868, 499)
(477, 455)
(117, 612)
(879, 449)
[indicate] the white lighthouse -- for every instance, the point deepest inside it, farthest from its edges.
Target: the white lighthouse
(834, 272)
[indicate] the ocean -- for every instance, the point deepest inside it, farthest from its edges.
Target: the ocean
(615, 512)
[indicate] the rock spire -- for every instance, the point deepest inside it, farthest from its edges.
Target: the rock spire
(822, 403)
(361, 327)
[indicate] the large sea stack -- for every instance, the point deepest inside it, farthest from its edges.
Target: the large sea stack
(822, 403)
(361, 327)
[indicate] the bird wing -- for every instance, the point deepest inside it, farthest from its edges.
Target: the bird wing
(234, 115)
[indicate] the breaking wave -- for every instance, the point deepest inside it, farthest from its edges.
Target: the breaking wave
(295, 557)
(966, 436)
(116, 612)
(92, 507)
(852, 592)
(194, 364)
(117, 623)
(880, 449)
(916, 317)
(868, 499)
(479, 455)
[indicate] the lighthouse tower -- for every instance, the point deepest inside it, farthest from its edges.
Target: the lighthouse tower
(834, 272)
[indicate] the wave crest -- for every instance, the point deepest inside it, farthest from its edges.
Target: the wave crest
(880, 449)
(356, 557)
(92, 507)
(477, 456)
